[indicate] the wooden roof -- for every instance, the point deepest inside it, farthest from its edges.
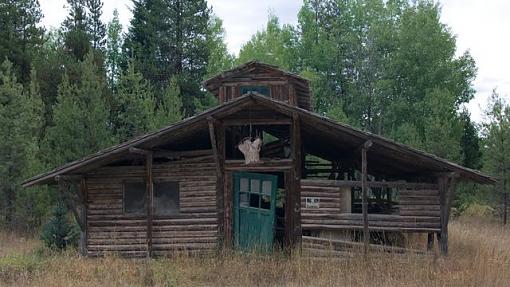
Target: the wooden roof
(247, 67)
(320, 134)
(257, 71)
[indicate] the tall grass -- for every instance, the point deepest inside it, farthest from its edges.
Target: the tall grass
(479, 256)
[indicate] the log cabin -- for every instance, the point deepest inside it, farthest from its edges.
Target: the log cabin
(260, 170)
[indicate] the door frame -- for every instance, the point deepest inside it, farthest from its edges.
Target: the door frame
(236, 175)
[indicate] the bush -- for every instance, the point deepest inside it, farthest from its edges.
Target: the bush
(59, 233)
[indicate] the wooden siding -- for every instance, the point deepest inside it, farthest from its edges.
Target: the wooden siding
(194, 229)
(419, 209)
(331, 248)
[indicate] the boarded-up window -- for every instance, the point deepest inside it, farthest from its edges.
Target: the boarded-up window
(135, 201)
(166, 198)
(263, 90)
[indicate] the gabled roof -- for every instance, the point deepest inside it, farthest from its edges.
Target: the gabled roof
(211, 83)
(338, 135)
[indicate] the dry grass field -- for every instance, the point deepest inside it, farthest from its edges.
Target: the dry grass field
(479, 256)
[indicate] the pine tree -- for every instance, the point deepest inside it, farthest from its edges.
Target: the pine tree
(95, 27)
(470, 142)
(32, 204)
(113, 53)
(496, 153)
(76, 33)
(169, 38)
(134, 105)
(169, 111)
(81, 117)
(59, 233)
(21, 34)
(20, 116)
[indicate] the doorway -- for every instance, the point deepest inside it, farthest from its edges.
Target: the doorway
(254, 211)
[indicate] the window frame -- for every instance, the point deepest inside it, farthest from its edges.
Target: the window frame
(145, 209)
(124, 183)
(178, 184)
(268, 87)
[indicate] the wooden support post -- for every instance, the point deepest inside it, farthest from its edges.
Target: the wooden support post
(217, 145)
(447, 186)
(364, 190)
(430, 241)
(293, 198)
(150, 200)
(84, 209)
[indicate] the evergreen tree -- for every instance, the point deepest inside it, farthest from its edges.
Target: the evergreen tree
(81, 117)
(76, 32)
(134, 105)
(113, 53)
(49, 64)
(21, 34)
(59, 233)
(170, 38)
(19, 126)
(169, 110)
(470, 142)
(32, 204)
(496, 153)
(95, 27)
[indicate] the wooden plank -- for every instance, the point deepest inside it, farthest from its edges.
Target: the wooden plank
(150, 200)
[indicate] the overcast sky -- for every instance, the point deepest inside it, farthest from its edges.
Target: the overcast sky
(481, 26)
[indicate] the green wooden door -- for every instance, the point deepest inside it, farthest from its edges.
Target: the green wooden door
(254, 210)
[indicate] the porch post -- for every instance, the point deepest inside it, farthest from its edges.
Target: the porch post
(217, 144)
(150, 200)
(293, 198)
(447, 184)
(364, 190)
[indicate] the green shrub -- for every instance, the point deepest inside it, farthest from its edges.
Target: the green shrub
(59, 233)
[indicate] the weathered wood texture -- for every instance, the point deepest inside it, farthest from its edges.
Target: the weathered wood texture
(419, 209)
(283, 86)
(194, 229)
(325, 247)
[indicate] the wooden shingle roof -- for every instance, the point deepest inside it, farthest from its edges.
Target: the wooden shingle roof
(330, 134)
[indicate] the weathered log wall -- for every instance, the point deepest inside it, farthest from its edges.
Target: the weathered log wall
(419, 208)
(194, 229)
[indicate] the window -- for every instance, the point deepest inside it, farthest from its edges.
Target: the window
(166, 198)
(263, 90)
(135, 200)
(381, 200)
(255, 193)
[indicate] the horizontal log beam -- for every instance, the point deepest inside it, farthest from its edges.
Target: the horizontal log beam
(353, 183)
(178, 154)
(240, 122)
